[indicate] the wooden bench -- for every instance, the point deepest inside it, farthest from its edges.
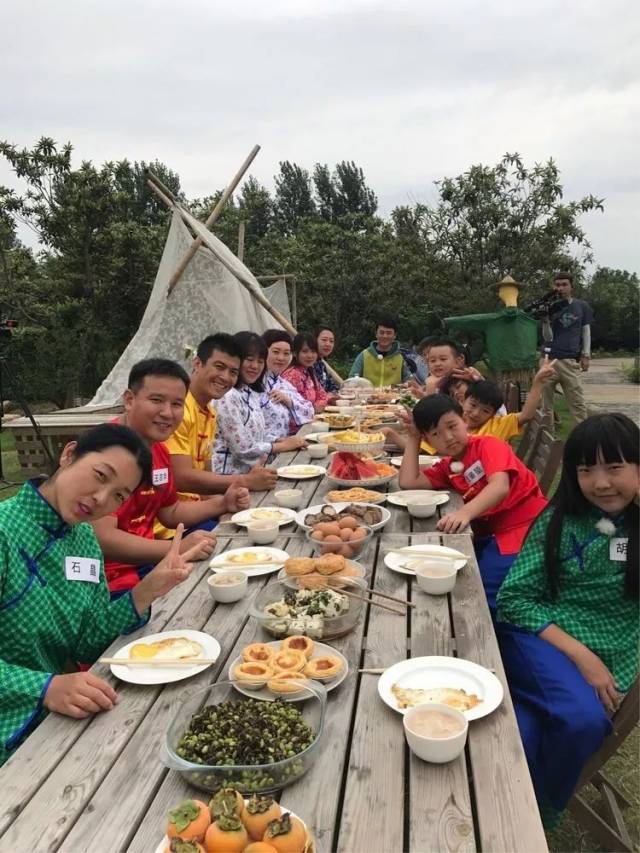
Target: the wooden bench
(609, 828)
(545, 458)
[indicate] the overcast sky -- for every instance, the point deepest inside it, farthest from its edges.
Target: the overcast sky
(412, 91)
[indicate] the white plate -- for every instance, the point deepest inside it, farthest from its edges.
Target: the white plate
(437, 671)
(400, 497)
(247, 515)
(164, 844)
(274, 556)
(319, 649)
(294, 472)
(139, 674)
(423, 460)
(300, 516)
(396, 562)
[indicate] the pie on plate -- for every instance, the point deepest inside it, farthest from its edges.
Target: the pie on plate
(408, 697)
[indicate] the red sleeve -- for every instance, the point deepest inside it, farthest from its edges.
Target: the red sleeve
(496, 456)
(438, 474)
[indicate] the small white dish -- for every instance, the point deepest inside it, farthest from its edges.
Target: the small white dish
(424, 461)
(289, 498)
(277, 514)
(402, 496)
(437, 749)
(339, 506)
(154, 674)
(226, 587)
(252, 561)
(423, 506)
(263, 532)
(406, 563)
(320, 426)
(318, 451)
(301, 472)
(436, 578)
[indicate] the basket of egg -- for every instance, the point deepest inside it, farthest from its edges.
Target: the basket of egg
(345, 536)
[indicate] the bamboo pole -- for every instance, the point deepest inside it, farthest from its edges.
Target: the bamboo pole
(215, 213)
(294, 301)
(241, 241)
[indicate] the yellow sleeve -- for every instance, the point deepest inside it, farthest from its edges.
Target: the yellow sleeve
(505, 427)
(180, 443)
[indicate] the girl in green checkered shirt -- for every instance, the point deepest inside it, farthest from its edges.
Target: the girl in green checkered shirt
(54, 600)
(568, 608)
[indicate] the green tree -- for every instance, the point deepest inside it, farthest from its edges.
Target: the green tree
(293, 197)
(614, 296)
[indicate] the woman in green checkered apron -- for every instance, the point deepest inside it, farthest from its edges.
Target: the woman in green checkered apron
(570, 601)
(54, 600)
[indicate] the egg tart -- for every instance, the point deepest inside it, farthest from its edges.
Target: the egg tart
(260, 652)
(292, 660)
(298, 643)
(253, 674)
(323, 668)
(286, 682)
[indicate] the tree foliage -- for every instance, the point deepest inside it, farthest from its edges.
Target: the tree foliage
(102, 231)
(614, 296)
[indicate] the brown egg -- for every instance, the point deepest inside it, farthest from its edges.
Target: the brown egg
(346, 551)
(332, 527)
(358, 534)
(331, 544)
(348, 521)
(322, 526)
(345, 534)
(318, 535)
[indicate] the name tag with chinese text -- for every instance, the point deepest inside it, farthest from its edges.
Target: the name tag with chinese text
(82, 569)
(618, 549)
(160, 476)
(474, 473)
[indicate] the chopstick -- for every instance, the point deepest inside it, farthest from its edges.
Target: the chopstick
(370, 601)
(157, 661)
(372, 671)
(369, 589)
(409, 551)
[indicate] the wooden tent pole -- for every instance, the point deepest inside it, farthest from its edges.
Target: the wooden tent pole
(294, 301)
(215, 213)
(163, 198)
(241, 241)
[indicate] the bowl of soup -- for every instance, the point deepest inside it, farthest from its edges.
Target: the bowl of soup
(435, 732)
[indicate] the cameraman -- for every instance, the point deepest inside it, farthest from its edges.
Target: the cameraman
(567, 335)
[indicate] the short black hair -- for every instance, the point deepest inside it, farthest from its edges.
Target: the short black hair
(251, 346)
(486, 392)
(428, 411)
(450, 382)
(564, 274)
(220, 341)
(115, 435)
(156, 367)
(274, 336)
(442, 341)
(387, 322)
(324, 328)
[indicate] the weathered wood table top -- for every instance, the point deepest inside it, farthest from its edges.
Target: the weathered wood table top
(98, 784)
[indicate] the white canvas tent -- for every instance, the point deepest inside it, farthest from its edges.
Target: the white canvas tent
(208, 298)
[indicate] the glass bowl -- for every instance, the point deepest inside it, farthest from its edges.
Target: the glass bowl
(348, 549)
(318, 626)
(246, 778)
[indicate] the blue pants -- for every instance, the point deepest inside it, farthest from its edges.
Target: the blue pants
(562, 721)
(493, 566)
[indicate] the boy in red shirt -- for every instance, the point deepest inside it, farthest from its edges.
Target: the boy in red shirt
(501, 495)
(154, 404)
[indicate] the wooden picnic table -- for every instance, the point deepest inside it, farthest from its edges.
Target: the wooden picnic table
(98, 785)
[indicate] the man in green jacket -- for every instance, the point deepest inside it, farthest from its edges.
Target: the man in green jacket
(381, 362)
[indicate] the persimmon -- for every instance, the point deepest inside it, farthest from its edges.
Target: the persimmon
(227, 802)
(258, 814)
(189, 821)
(226, 835)
(179, 845)
(260, 847)
(287, 834)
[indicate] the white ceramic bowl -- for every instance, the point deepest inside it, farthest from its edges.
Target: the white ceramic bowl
(222, 589)
(318, 451)
(319, 426)
(437, 750)
(435, 578)
(422, 507)
(291, 498)
(263, 532)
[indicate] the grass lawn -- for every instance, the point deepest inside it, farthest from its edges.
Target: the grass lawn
(622, 769)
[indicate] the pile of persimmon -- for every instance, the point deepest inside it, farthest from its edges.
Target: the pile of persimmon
(229, 824)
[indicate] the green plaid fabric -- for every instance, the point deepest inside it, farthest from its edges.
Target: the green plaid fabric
(591, 604)
(45, 619)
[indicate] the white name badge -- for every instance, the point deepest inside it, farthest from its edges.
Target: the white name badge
(474, 473)
(82, 569)
(618, 549)
(160, 476)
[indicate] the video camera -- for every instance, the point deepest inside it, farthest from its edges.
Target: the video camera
(550, 304)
